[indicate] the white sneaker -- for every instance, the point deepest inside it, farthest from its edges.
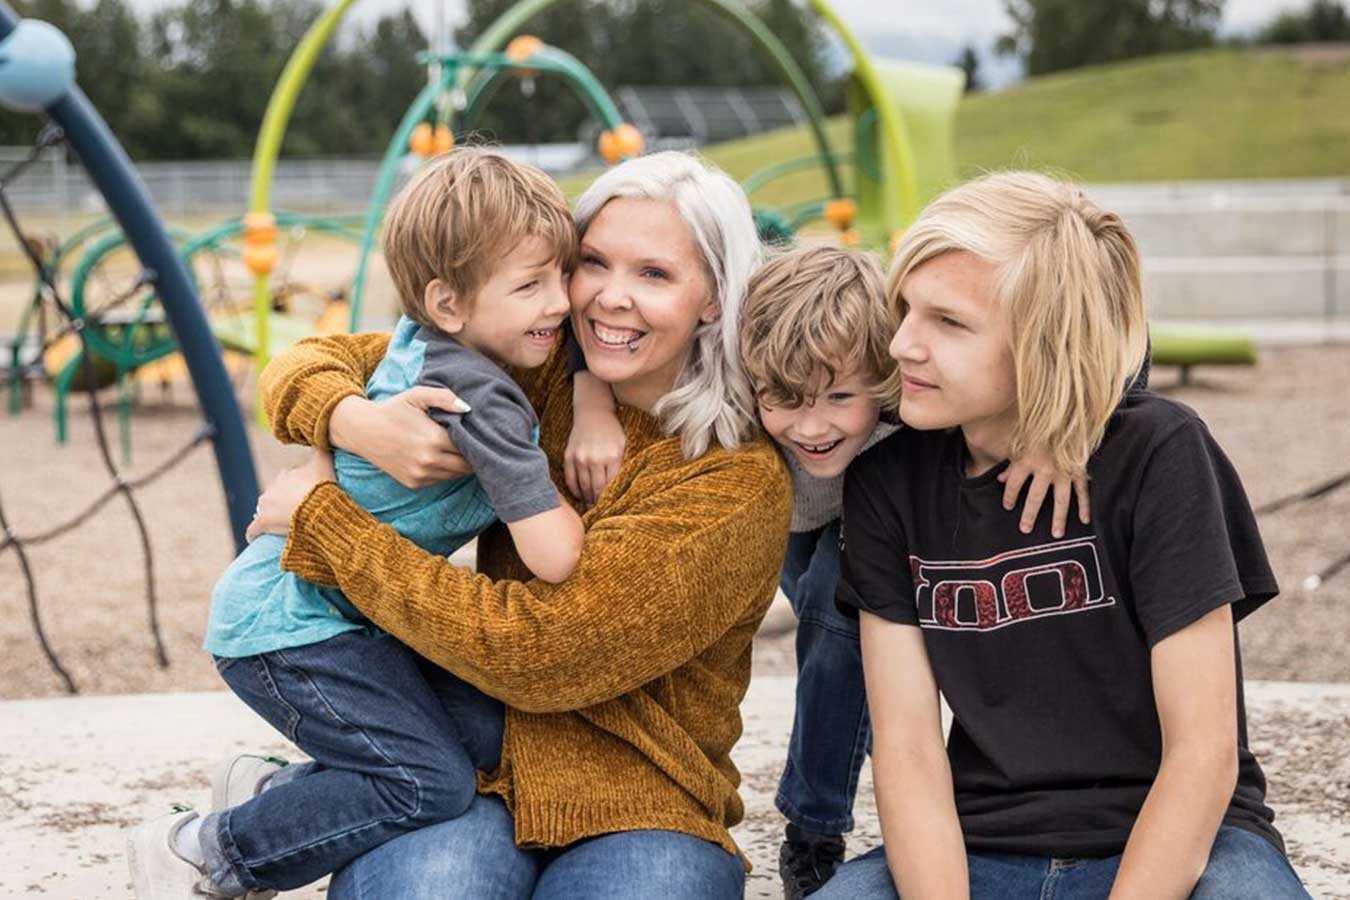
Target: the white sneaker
(238, 780)
(241, 778)
(158, 872)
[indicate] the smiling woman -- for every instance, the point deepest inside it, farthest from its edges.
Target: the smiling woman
(622, 684)
(656, 298)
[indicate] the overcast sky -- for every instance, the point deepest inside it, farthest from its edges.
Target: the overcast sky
(925, 30)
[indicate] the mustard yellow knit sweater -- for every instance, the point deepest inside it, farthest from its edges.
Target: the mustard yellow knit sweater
(623, 685)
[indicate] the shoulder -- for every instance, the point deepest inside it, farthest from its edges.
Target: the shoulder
(1144, 422)
(473, 377)
(913, 448)
(750, 480)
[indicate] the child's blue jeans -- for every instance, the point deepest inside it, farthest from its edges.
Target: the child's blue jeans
(831, 733)
(395, 743)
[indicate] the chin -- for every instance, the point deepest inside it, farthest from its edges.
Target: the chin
(923, 419)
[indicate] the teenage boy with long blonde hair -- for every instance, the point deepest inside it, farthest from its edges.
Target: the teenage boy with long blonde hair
(1099, 743)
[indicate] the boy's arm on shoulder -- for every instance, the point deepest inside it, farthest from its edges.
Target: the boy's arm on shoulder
(1195, 690)
(301, 387)
(925, 849)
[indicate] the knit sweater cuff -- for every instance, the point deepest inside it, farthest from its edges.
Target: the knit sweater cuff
(305, 420)
(327, 525)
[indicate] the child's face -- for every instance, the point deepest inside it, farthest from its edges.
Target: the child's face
(955, 352)
(827, 431)
(515, 318)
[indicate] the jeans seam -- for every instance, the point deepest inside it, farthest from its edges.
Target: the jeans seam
(809, 823)
(270, 684)
(365, 736)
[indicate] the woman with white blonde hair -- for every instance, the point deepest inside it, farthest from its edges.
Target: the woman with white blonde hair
(621, 685)
(1098, 745)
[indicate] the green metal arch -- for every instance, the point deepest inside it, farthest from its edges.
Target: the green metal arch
(550, 60)
(282, 101)
(511, 21)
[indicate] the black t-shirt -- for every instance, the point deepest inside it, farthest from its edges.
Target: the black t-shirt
(1041, 646)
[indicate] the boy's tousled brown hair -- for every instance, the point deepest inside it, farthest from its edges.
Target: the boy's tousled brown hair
(1069, 283)
(812, 315)
(462, 213)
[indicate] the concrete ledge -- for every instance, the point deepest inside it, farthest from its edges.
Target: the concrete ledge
(74, 773)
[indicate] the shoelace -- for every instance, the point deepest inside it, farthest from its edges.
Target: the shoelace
(808, 861)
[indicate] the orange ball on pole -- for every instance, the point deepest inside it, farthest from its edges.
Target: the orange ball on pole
(422, 140)
(620, 143)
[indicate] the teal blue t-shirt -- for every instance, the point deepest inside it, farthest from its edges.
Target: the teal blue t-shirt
(257, 608)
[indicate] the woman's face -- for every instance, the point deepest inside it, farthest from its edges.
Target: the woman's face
(638, 293)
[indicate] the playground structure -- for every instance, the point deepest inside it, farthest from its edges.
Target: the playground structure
(37, 75)
(145, 301)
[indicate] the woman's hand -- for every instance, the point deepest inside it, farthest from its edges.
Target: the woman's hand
(1044, 476)
(398, 436)
(283, 496)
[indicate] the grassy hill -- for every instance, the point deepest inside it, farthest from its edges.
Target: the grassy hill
(1229, 113)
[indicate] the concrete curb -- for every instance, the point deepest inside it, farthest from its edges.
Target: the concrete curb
(75, 773)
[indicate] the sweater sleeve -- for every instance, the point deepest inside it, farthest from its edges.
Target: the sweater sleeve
(301, 387)
(657, 583)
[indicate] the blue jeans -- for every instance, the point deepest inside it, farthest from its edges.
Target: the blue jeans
(830, 729)
(1242, 866)
(395, 743)
(475, 857)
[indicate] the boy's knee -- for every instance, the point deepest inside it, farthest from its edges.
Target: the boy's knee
(437, 792)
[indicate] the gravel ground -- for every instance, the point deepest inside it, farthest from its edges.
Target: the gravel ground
(1286, 425)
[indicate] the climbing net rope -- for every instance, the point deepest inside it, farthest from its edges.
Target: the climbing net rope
(120, 484)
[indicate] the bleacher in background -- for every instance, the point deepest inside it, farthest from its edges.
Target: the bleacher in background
(706, 115)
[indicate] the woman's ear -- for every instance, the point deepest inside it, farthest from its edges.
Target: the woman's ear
(444, 307)
(711, 312)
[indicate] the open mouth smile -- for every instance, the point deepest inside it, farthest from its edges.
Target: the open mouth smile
(617, 338)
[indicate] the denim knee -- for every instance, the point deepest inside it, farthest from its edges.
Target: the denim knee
(434, 791)
(1245, 866)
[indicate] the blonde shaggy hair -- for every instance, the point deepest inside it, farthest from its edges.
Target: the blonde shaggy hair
(460, 215)
(711, 400)
(1068, 281)
(811, 315)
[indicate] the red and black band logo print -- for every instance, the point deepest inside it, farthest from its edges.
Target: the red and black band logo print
(1049, 580)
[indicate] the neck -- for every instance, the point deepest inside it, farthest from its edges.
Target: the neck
(642, 394)
(987, 443)
(645, 390)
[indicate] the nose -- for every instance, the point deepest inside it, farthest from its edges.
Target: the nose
(613, 293)
(907, 345)
(555, 304)
(811, 424)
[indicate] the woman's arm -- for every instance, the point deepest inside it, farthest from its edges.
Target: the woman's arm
(314, 394)
(925, 849)
(301, 387)
(1195, 688)
(658, 582)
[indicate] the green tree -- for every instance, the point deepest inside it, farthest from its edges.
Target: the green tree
(1323, 20)
(643, 42)
(968, 61)
(1052, 35)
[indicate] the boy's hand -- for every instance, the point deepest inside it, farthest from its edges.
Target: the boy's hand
(399, 438)
(282, 497)
(1044, 476)
(593, 455)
